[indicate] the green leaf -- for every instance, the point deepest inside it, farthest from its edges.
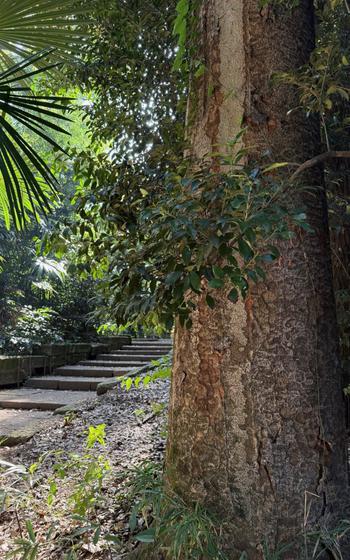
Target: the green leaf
(25, 178)
(97, 535)
(186, 255)
(261, 272)
(133, 518)
(146, 536)
(128, 383)
(253, 275)
(210, 301)
(195, 281)
(30, 530)
(182, 7)
(276, 165)
(31, 25)
(218, 272)
(173, 277)
(267, 257)
(112, 538)
(233, 295)
(245, 250)
(216, 283)
(200, 71)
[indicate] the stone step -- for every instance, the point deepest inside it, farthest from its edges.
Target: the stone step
(126, 357)
(150, 343)
(18, 426)
(111, 363)
(153, 340)
(143, 350)
(92, 371)
(30, 398)
(58, 382)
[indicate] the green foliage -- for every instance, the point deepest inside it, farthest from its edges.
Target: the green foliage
(136, 121)
(25, 178)
(150, 230)
(96, 435)
(33, 326)
(73, 302)
(34, 25)
(88, 471)
(27, 547)
(155, 243)
(30, 282)
(161, 369)
(92, 470)
(180, 30)
(200, 233)
(86, 494)
(316, 544)
(137, 99)
(323, 83)
(178, 530)
(27, 184)
(183, 531)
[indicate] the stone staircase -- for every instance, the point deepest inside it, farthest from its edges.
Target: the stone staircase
(88, 374)
(68, 385)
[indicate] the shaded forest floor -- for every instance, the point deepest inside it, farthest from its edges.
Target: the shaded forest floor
(69, 528)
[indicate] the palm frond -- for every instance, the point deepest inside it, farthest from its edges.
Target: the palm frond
(25, 178)
(32, 25)
(46, 267)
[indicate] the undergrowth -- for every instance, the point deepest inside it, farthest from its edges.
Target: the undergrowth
(155, 515)
(160, 369)
(178, 530)
(76, 492)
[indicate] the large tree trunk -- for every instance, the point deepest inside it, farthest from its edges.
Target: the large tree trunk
(256, 428)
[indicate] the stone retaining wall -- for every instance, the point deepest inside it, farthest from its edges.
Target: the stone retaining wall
(14, 370)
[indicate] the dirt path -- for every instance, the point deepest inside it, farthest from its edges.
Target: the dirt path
(130, 439)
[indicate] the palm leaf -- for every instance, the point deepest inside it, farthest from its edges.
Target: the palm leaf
(46, 267)
(33, 25)
(26, 181)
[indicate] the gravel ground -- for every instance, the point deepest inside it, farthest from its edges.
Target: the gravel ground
(130, 439)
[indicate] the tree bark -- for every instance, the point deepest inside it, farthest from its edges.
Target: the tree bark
(256, 426)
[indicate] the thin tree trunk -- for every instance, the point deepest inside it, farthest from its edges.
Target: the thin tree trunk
(256, 428)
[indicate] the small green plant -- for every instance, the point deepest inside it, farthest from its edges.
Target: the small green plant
(27, 546)
(69, 418)
(179, 530)
(91, 470)
(110, 328)
(326, 541)
(85, 474)
(161, 370)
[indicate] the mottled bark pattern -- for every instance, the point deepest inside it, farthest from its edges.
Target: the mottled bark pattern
(256, 426)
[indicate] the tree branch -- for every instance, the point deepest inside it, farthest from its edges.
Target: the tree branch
(319, 159)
